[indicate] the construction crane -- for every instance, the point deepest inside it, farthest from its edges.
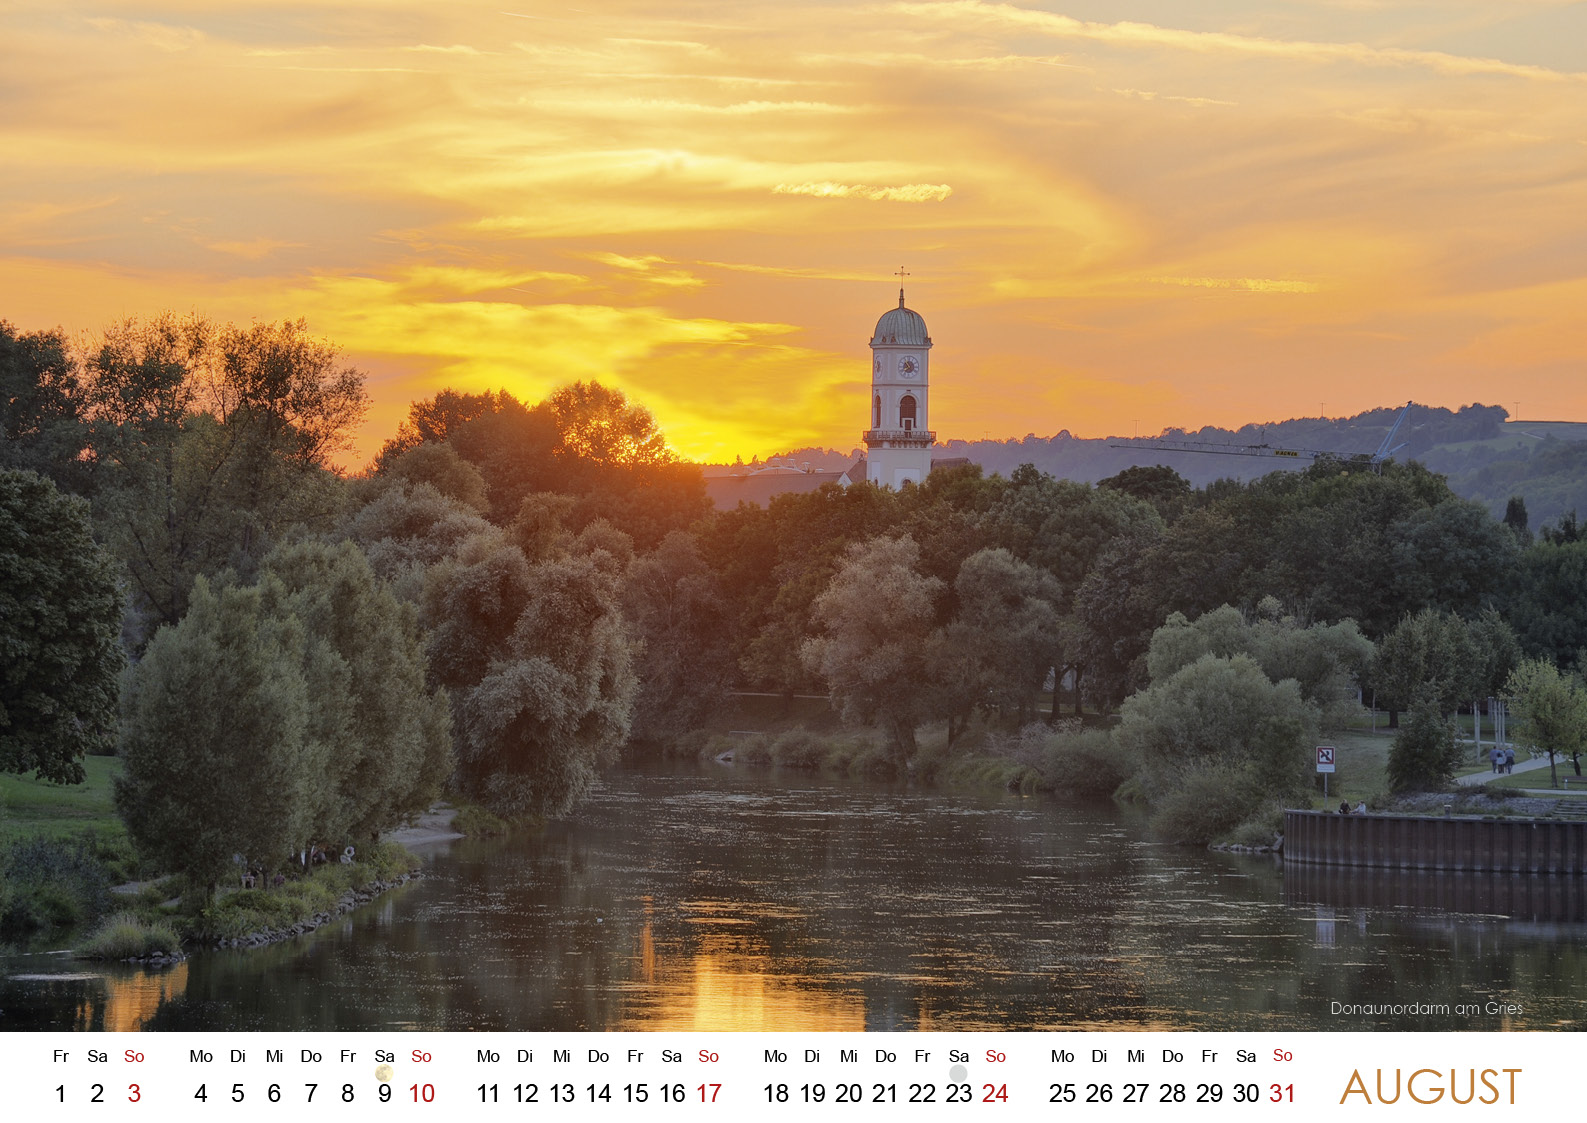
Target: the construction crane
(1375, 461)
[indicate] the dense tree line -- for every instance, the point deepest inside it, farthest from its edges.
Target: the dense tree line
(511, 591)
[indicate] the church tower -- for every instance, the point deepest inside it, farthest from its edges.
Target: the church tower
(898, 443)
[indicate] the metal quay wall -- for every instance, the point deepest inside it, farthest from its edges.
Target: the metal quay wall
(1412, 842)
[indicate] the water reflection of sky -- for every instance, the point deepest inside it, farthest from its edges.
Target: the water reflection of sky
(727, 900)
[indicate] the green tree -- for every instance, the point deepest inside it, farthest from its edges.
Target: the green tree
(538, 661)
(406, 529)
(599, 425)
(1007, 634)
(60, 618)
(1515, 519)
(685, 664)
(1162, 487)
(387, 734)
(1424, 755)
(1548, 605)
(809, 536)
(1550, 711)
(43, 422)
(210, 442)
(1221, 717)
(1116, 612)
(1325, 660)
(1429, 654)
(439, 465)
(215, 738)
(876, 618)
(439, 419)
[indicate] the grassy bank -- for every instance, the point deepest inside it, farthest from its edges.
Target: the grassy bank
(31, 808)
(61, 849)
(244, 912)
(1361, 760)
(152, 924)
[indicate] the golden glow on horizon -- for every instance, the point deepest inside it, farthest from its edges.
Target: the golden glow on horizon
(1120, 213)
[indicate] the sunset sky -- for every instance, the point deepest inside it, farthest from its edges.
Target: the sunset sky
(1115, 213)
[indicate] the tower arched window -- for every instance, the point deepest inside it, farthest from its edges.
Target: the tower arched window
(906, 412)
(876, 413)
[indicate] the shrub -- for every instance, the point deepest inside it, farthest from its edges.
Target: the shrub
(990, 772)
(474, 821)
(50, 883)
(125, 936)
(1087, 764)
(1205, 803)
(873, 760)
(1424, 755)
(799, 748)
(1260, 829)
(281, 906)
(753, 752)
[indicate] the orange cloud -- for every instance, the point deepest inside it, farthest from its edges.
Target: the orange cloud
(1180, 221)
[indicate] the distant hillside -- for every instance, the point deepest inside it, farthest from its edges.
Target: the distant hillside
(1486, 456)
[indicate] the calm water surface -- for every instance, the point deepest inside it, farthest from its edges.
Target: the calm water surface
(711, 898)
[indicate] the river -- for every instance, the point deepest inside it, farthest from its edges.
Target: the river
(710, 898)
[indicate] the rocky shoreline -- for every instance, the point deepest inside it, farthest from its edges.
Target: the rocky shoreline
(349, 901)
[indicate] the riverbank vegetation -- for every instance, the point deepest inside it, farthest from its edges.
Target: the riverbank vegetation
(513, 592)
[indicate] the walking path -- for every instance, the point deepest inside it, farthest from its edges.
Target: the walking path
(1477, 779)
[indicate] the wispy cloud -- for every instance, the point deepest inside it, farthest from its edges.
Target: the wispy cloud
(1151, 35)
(704, 204)
(1244, 284)
(906, 193)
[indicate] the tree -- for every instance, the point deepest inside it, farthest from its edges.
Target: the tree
(1515, 518)
(1429, 654)
(1324, 660)
(1007, 634)
(599, 425)
(1454, 556)
(281, 715)
(538, 661)
(215, 742)
(1117, 614)
(209, 442)
(406, 529)
(809, 536)
(1424, 755)
(43, 423)
(685, 663)
(388, 734)
(1224, 718)
(1162, 487)
(1550, 711)
(1548, 606)
(438, 419)
(876, 618)
(60, 619)
(438, 465)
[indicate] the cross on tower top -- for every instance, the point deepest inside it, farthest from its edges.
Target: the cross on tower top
(901, 275)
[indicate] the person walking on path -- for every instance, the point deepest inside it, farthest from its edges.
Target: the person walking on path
(1494, 757)
(1509, 760)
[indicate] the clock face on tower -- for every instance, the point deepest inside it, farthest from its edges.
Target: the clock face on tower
(909, 367)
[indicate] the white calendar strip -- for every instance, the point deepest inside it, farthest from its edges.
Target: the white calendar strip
(192, 1076)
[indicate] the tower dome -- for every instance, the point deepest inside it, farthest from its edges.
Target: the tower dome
(903, 326)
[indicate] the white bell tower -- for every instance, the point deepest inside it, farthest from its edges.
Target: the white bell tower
(898, 442)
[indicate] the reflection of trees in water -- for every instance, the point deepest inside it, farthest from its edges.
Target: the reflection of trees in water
(748, 901)
(112, 998)
(744, 905)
